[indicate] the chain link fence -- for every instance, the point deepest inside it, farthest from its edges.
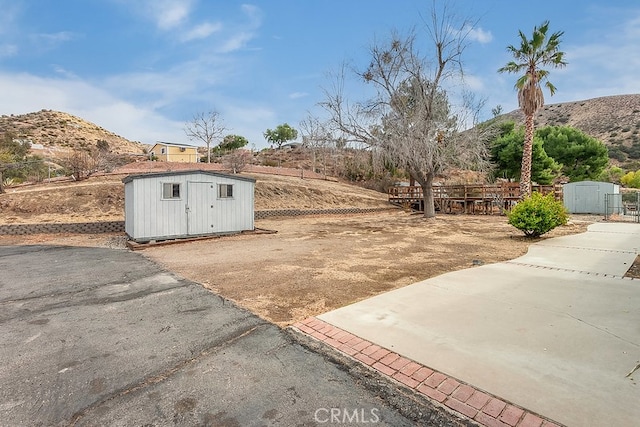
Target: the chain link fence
(622, 207)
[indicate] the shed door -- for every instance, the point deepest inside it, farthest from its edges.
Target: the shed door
(587, 199)
(201, 197)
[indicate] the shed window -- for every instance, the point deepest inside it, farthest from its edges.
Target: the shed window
(225, 191)
(163, 150)
(170, 190)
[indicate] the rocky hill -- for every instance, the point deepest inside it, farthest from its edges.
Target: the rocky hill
(614, 120)
(58, 132)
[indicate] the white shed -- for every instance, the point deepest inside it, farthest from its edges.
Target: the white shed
(189, 203)
(590, 197)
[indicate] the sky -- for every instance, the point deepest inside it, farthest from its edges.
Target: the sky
(144, 68)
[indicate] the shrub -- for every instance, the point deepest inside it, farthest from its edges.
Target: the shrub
(537, 215)
(631, 179)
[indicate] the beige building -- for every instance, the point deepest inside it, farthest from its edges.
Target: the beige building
(170, 152)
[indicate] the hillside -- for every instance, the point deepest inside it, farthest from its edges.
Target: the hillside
(101, 198)
(614, 120)
(59, 132)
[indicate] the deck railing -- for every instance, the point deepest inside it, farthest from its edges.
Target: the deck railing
(449, 198)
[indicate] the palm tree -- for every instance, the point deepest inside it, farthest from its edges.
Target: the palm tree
(532, 54)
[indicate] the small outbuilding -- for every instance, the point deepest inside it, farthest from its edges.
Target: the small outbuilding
(170, 152)
(170, 205)
(591, 197)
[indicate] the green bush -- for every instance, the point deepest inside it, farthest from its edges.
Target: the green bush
(537, 215)
(631, 179)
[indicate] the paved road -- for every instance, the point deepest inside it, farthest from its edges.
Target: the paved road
(105, 337)
(556, 331)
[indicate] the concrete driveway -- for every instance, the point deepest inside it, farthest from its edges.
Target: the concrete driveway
(105, 337)
(556, 331)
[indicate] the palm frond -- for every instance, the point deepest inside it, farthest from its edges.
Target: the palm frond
(532, 55)
(551, 87)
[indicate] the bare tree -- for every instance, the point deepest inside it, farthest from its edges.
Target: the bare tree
(207, 128)
(410, 118)
(237, 160)
(81, 164)
(317, 138)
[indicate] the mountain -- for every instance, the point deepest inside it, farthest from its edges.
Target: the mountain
(58, 132)
(614, 120)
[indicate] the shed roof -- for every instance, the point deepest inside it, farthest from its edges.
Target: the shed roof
(185, 172)
(589, 182)
(173, 144)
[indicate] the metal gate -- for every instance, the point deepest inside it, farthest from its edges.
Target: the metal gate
(619, 207)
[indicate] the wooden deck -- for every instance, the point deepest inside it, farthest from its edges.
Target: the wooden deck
(471, 199)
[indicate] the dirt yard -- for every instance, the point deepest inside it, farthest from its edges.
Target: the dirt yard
(310, 265)
(316, 264)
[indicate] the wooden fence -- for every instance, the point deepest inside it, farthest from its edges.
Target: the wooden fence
(470, 198)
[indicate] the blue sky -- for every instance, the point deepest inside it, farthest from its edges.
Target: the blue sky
(143, 68)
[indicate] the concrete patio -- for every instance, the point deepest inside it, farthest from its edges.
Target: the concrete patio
(556, 331)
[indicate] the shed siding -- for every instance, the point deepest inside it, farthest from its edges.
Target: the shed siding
(230, 210)
(150, 217)
(587, 197)
(129, 226)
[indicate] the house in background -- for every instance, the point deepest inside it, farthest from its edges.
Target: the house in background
(171, 205)
(170, 152)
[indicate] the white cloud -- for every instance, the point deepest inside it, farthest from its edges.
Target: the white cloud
(474, 83)
(51, 40)
(169, 14)
(253, 13)
(236, 42)
(247, 32)
(480, 35)
(165, 14)
(109, 105)
(63, 72)
(297, 95)
(201, 31)
(87, 101)
(54, 38)
(185, 83)
(601, 62)
(606, 66)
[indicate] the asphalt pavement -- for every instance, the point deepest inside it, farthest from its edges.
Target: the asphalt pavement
(93, 336)
(556, 331)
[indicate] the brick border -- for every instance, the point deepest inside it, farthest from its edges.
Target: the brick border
(464, 399)
(300, 212)
(55, 228)
(118, 226)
